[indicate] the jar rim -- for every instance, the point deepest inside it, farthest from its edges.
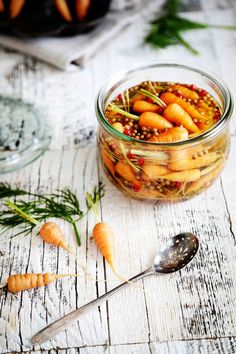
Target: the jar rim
(120, 77)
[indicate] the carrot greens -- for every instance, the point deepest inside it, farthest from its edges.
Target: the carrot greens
(167, 28)
(62, 204)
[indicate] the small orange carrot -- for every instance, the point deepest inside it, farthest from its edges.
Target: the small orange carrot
(105, 240)
(63, 9)
(186, 92)
(20, 282)
(171, 135)
(141, 106)
(154, 120)
(183, 176)
(190, 163)
(125, 171)
(169, 97)
(51, 233)
(153, 172)
(15, 7)
(176, 114)
(1, 6)
(81, 7)
(108, 162)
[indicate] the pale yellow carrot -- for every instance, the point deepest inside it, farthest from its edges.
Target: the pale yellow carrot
(190, 163)
(183, 176)
(153, 172)
(204, 181)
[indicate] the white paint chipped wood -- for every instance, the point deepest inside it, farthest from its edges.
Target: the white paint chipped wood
(192, 312)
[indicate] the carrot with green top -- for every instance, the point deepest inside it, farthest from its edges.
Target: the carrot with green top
(176, 114)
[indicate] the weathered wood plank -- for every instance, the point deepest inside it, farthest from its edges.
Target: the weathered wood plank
(198, 302)
(29, 254)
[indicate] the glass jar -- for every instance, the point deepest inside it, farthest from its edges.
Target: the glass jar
(164, 171)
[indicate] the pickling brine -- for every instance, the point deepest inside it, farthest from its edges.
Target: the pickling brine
(159, 140)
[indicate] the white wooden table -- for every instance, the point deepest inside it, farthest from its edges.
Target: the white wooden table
(193, 311)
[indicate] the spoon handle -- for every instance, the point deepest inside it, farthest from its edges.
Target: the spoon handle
(64, 322)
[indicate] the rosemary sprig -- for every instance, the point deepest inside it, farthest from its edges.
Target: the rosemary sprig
(62, 204)
(167, 28)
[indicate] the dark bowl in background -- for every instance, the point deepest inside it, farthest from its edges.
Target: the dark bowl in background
(43, 18)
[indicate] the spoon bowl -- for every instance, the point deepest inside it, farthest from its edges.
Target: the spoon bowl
(176, 253)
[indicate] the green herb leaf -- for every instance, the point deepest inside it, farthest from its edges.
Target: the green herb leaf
(62, 204)
(167, 28)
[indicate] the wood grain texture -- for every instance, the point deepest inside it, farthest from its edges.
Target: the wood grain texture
(189, 312)
(198, 302)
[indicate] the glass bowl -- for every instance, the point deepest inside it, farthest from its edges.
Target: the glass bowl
(192, 164)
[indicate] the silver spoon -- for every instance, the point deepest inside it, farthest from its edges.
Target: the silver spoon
(173, 255)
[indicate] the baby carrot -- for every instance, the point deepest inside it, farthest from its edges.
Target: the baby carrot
(125, 171)
(205, 180)
(51, 233)
(15, 7)
(186, 92)
(183, 176)
(171, 135)
(81, 8)
(153, 172)
(20, 282)
(63, 9)
(141, 106)
(176, 114)
(190, 163)
(169, 97)
(154, 120)
(105, 240)
(108, 162)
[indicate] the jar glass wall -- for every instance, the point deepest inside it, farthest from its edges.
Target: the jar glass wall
(165, 171)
